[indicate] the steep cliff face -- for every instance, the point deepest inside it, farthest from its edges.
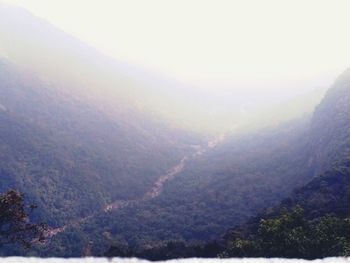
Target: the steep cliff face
(330, 126)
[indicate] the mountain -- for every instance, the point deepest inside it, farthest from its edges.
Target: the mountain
(215, 190)
(330, 127)
(71, 148)
(312, 221)
(72, 159)
(100, 147)
(55, 56)
(229, 184)
(72, 135)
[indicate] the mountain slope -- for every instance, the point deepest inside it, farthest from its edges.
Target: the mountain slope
(71, 158)
(78, 134)
(319, 212)
(330, 126)
(230, 184)
(313, 221)
(55, 56)
(216, 190)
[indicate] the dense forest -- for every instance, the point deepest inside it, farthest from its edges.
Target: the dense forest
(221, 188)
(313, 222)
(49, 149)
(15, 228)
(310, 222)
(71, 160)
(113, 179)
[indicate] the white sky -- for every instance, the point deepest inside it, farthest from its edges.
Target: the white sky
(214, 44)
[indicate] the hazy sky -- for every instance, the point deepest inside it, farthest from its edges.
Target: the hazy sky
(270, 44)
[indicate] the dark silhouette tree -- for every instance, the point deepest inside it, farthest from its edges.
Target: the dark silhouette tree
(15, 227)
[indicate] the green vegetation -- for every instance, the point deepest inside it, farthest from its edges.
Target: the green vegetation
(312, 222)
(14, 226)
(290, 235)
(72, 157)
(207, 198)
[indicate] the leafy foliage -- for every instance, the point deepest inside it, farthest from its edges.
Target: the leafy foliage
(14, 221)
(290, 235)
(215, 192)
(70, 156)
(313, 221)
(73, 156)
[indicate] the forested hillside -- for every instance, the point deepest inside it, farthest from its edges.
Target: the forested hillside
(243, 175)
(72, 159)
(111, 84)
(101, 147)
(329, 134)
(313, 222)
(216, 190)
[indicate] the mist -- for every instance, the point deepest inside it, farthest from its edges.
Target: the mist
(158, 130)
(172, 62)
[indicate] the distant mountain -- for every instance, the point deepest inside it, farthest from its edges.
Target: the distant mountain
(57, 57)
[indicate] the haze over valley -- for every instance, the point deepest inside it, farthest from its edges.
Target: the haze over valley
(174, 130)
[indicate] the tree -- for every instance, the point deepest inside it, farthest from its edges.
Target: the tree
(15, 227)
(291, 235)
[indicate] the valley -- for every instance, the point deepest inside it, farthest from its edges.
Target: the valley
(154, 192)
(111, 157)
